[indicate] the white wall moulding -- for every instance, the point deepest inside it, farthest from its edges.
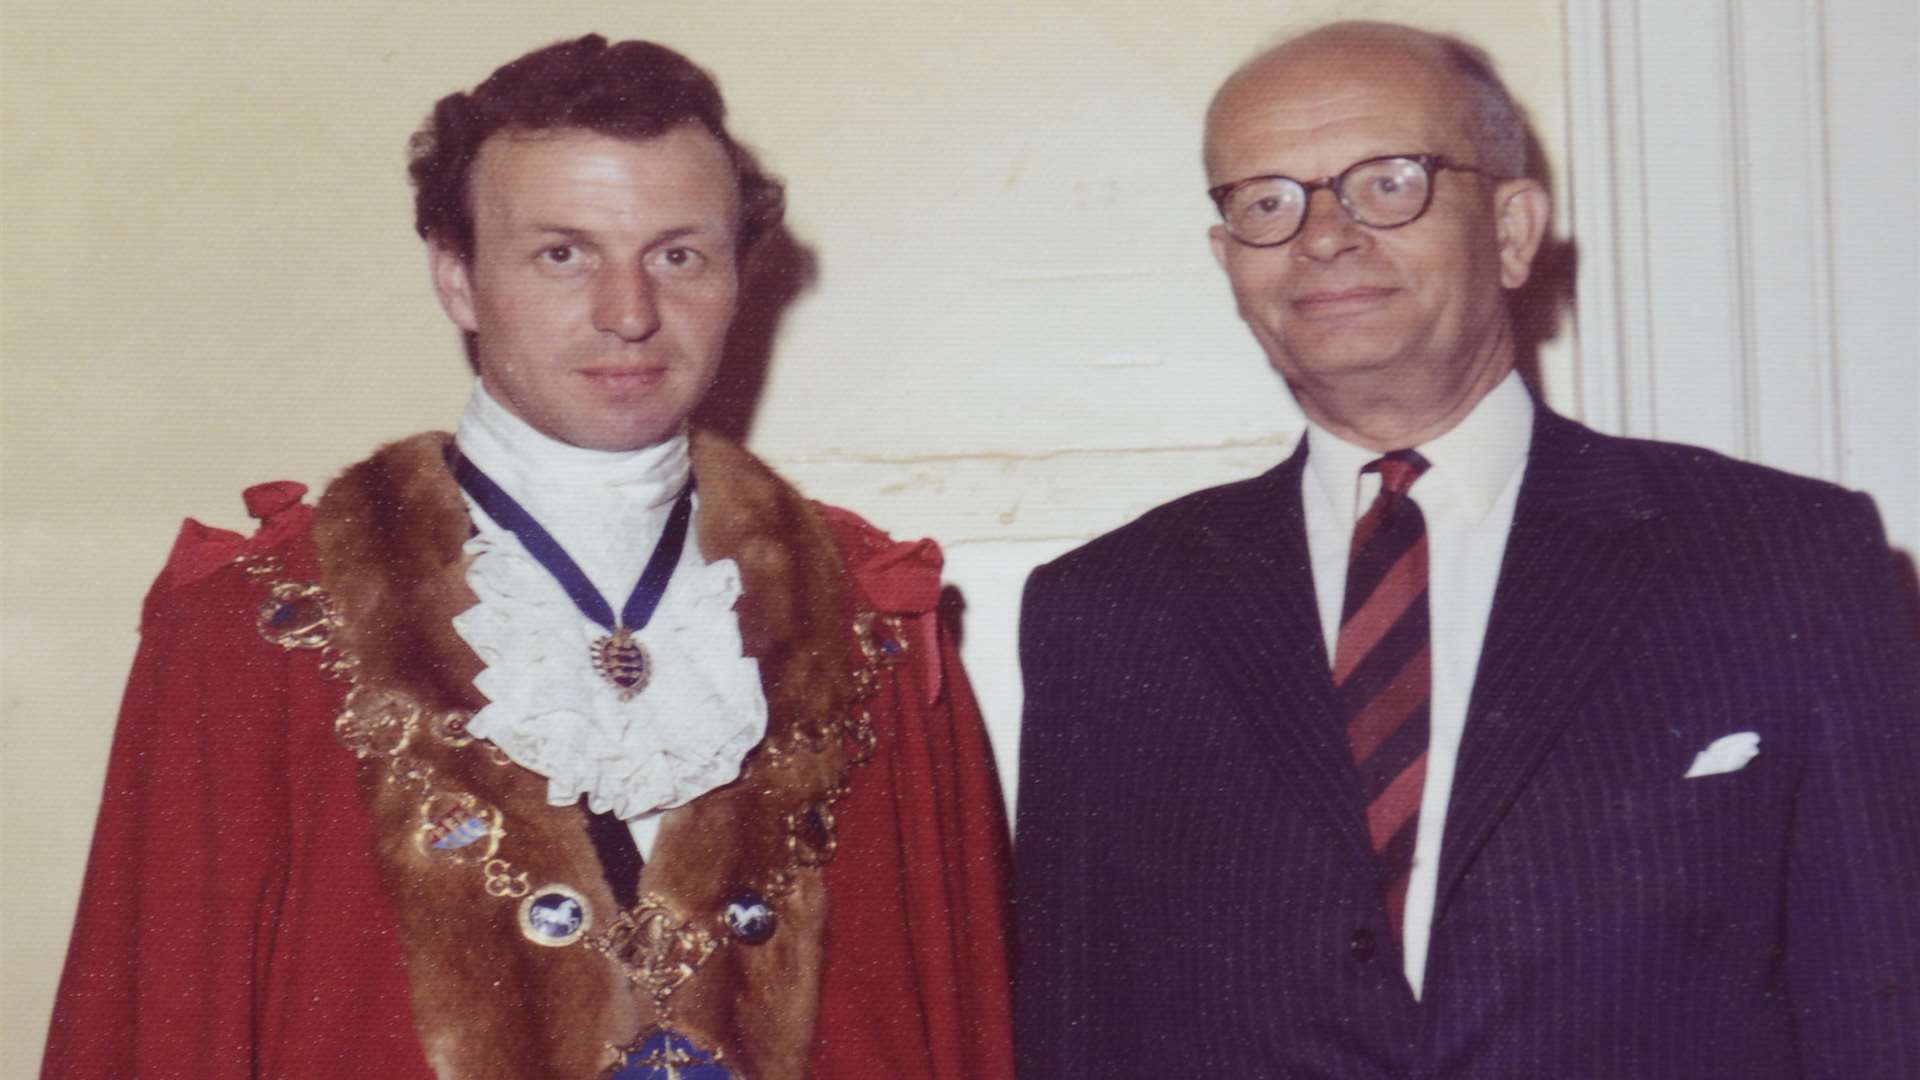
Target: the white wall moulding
(1604, 149)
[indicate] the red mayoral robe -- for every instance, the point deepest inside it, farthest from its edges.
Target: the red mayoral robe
(305, 867)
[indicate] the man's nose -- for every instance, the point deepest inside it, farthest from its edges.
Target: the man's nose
(625, 303)
(1329, 231)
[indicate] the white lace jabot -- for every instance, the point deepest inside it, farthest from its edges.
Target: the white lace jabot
(702, 709)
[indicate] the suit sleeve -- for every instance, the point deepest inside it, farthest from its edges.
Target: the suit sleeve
(915, 982)
(1069, 965)
(1853, 889)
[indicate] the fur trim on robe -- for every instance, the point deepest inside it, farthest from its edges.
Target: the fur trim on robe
(487, 1001)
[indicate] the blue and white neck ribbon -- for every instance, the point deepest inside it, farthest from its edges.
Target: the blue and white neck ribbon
(618, 658)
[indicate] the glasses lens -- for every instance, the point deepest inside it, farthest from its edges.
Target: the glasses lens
(1265, 211)
(1385, 192)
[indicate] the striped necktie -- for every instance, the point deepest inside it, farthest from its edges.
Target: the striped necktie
(1381, 668)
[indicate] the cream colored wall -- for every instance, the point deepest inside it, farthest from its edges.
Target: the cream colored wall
(1017, 338)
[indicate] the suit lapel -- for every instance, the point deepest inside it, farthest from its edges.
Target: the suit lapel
(1253, 608)
(1575, 566)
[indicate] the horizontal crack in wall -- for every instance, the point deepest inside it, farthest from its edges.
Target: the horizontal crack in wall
(837, 458)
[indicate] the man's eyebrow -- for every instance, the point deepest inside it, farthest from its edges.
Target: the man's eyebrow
(677, 232)
(680, 231)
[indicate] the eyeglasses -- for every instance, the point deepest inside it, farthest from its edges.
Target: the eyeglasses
(1380, 193)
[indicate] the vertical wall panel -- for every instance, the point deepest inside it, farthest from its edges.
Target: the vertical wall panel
(1606, 160)
(1873, 87)
(1745, 177)
(1690, 225)
(1788, 355)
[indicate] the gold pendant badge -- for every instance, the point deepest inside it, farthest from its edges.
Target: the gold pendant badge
(623, 662)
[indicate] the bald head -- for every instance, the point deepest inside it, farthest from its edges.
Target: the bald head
(1386, 333)
(1489, 122)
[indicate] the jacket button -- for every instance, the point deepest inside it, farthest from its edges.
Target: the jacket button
(1362, 945)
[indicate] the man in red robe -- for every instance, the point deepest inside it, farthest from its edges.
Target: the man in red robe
(575, 744)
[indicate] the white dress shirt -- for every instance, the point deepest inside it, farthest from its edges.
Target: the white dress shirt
(1467, 497)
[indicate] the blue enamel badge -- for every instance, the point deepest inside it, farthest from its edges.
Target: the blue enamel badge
(554, 915)
(669, 1055)
(749, 918)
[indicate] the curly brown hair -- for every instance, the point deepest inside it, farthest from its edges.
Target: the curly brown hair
(632, 90)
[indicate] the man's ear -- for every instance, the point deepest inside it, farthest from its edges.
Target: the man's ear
(453, 284)
(1217, 237)
(1522, 212)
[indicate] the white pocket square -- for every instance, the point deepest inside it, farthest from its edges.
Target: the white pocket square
(1725, 754)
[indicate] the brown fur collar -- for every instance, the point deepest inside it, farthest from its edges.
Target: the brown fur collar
(487, 1001)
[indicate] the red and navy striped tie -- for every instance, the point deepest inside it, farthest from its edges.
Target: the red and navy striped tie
(1382, 666)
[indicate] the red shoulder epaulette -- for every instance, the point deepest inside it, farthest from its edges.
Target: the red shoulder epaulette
(894, 577)
(199, 549)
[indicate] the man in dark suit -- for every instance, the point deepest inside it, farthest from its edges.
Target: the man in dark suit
(1467, 742)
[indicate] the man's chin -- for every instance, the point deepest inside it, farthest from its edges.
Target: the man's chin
(1347, 360)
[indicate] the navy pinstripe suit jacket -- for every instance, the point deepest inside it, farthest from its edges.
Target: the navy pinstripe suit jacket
(1194, 888)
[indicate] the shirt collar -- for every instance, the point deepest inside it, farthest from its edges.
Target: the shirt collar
(529, 464)
(1471, 463)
